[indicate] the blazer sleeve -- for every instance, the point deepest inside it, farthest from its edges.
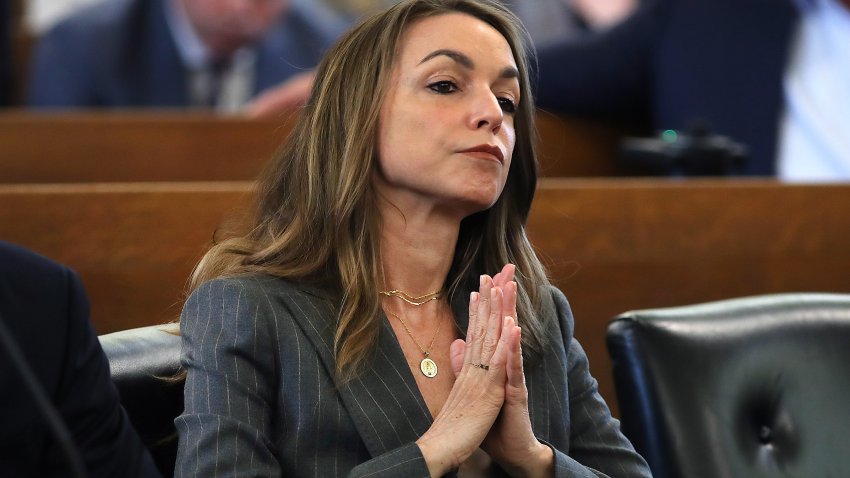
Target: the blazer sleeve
(228, 353)
(597, 447)
(406, 461)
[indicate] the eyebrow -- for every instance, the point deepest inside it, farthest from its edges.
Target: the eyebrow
(466, 62)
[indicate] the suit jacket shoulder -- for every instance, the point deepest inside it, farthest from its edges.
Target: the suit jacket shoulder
(45, 307)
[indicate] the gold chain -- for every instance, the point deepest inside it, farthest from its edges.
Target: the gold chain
(414, 301)
(410, 334)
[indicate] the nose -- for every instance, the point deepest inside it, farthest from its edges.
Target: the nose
(486, 112)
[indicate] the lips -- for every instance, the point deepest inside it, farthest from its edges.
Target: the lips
(486, 151)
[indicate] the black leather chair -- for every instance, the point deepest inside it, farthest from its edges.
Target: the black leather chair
(744, 388)
(143, 363)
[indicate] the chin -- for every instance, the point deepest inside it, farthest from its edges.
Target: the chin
(475, 204)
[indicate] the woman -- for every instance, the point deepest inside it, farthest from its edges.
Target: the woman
(331, 340)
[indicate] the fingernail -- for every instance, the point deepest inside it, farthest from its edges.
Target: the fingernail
(482, 280)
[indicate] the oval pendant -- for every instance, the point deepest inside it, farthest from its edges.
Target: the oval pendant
(428, 367)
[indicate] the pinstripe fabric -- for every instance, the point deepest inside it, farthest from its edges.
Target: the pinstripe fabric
(260, 398)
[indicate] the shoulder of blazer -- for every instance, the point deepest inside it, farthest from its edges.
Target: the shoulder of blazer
(556, 311)
(304, 302)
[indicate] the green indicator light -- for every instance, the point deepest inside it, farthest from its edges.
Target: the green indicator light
(669, 135)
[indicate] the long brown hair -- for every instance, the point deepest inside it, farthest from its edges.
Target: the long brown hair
(316, 219)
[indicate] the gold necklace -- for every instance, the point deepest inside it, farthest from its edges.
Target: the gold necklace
(427, 366)
(410, 299)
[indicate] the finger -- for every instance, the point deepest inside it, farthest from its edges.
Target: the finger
(505, 275)
(474, 298)
(471, 326)
(482, 314)
(494, 326)
(457, 352)
(510, 299)
(508, 272)
(500, 356)
(515, 377)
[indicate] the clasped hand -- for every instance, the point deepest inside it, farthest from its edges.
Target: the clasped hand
(488, 404)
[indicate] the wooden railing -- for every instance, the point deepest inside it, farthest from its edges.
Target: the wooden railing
(611, 245)
(171, 146)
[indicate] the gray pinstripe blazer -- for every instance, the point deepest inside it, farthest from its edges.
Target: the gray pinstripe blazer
(261, 401)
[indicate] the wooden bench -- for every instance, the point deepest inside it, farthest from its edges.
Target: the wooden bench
(611, 245)
(129, 147)
(79, 147)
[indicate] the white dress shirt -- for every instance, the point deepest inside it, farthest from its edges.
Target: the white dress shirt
(228, 92)
(814, 140)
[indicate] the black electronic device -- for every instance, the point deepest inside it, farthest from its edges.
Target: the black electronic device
(694, 152)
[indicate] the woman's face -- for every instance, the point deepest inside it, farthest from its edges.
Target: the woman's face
(446, 133)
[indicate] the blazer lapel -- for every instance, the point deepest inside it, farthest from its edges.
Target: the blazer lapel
(384, 401)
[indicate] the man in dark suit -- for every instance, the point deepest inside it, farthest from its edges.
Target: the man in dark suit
(177, 53)
(44, 307)
(724, 63)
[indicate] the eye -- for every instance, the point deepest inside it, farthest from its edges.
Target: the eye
(508, 105)
(444, 87)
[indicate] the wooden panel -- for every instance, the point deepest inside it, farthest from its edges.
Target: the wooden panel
(577, 148)
(614, 246)
(23, 44)
(130, 147)
(79, 147)
(134, 245)
(611, 245)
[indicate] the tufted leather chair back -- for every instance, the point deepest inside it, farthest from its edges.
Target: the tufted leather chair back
(742, 388)
(143, 362)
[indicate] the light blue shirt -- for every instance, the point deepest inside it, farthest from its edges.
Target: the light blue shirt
(814, 144)
(237, 80)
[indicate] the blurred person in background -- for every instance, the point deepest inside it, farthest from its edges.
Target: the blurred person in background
(546, 20)
(774, 75)
(549, 21)
(213, 54)
(44, 313)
